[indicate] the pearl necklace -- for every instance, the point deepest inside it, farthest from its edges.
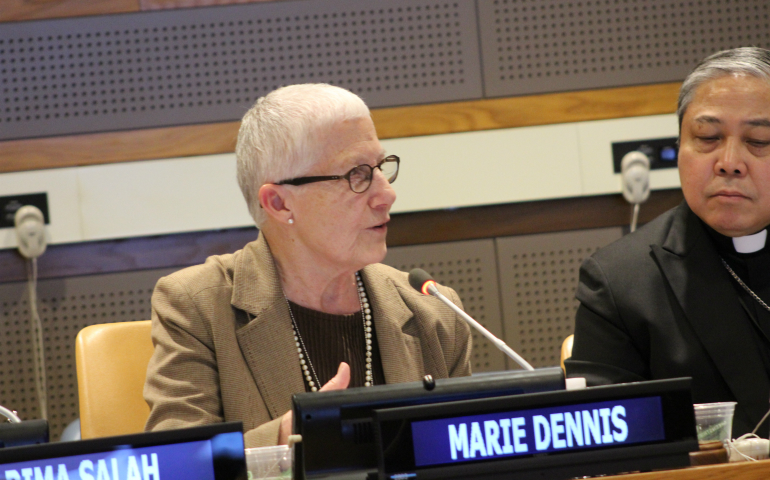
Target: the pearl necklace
(304, 359)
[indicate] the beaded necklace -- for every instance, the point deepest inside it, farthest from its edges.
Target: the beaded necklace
(304, 359)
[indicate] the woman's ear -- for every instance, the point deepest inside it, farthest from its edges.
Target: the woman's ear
(274, 200)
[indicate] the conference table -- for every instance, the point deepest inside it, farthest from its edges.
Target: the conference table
(726, 471)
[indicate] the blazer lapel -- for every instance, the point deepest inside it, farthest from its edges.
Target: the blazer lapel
(400, 346)
(691, 265)
(267, 341)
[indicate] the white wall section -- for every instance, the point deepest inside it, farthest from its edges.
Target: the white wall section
(438, 171)
(596, 140)
(161, 196)
(63, 203)
(487, 167)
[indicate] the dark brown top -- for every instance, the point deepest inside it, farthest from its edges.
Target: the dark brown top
(332, 339)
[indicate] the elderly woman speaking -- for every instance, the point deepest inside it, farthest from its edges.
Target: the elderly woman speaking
(306, 306)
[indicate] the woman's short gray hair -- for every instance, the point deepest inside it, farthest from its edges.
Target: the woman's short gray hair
(281, 136)
(752, 61)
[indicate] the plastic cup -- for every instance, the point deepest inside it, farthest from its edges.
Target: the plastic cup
(714, 421)
(269, 462)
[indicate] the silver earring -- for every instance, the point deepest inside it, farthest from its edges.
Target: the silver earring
(291, 221)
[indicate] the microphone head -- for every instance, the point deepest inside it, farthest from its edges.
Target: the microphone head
(419, 279)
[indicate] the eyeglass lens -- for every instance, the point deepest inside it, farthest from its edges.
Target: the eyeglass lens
(361, 176)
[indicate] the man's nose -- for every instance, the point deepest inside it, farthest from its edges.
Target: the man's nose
(731, 159)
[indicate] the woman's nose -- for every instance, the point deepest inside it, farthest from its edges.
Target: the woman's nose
(382, 190)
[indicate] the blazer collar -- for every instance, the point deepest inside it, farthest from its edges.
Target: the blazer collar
(267, 340)
(400, 345)
(256, 285)
(690, 263)
(685, 232)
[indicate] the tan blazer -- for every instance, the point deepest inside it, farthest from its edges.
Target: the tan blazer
(211, 364)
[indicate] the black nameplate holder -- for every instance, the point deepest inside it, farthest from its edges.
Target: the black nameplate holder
(563, 434)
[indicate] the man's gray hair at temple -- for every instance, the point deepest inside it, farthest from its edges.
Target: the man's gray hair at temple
(752, 61)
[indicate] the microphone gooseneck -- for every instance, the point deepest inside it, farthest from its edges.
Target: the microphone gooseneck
(421, 281)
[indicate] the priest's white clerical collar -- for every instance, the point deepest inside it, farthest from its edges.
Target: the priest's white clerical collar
(750, 243)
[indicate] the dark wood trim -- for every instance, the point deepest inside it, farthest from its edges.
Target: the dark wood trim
(525, 218)
(180, 250)
(112, 256)
(399, 122)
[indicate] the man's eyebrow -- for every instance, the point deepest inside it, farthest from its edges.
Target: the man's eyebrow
(760, 122)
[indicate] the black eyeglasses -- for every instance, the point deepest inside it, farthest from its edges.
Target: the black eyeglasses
(359, 178)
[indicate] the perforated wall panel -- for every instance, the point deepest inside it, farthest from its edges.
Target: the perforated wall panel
(204, 65)
(65, 307)
(468, 267)
(538, 279)
(533, 46)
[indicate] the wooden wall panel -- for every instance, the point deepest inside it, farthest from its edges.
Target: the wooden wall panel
(169, 4)
(526, 111)
(34, 154)
(99, 148)
(19, 10)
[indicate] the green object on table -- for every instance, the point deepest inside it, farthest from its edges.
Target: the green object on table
(713, 432)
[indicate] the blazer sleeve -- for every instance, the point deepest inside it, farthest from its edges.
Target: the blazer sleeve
(604, 352)
(182, 387)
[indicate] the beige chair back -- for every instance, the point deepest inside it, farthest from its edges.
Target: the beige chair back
(566, 349)
(111, 367)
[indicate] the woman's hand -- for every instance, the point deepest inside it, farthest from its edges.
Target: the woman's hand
(338, 382)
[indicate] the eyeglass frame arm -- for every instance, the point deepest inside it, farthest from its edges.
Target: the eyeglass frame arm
(321, 178)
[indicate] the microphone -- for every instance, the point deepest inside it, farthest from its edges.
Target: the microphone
(421, 281)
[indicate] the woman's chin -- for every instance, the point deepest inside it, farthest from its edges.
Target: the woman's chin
(377, 255)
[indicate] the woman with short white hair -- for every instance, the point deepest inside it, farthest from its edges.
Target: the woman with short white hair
(307, 306)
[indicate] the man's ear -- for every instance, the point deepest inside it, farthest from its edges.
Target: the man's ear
(274, 200)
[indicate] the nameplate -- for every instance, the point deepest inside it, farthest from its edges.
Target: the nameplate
(191, 461)
(600, 430)
(213, 452)
(541, 430)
